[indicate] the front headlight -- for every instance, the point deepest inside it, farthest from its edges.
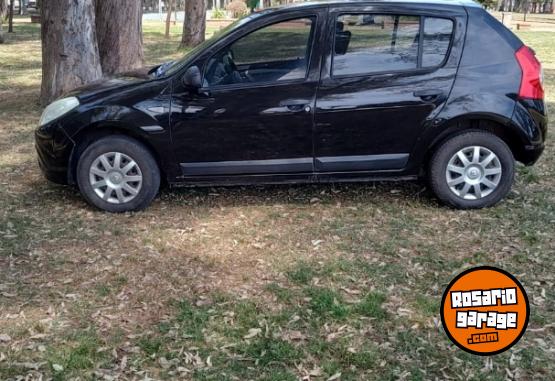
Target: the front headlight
(57, 109)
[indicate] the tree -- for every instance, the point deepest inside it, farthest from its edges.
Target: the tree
(169, 18)
(3, 9)
(69, 47)
(237, 7)
(488, 4)
(10, 21)
(252, 4)
(120, 35)
(194, 25)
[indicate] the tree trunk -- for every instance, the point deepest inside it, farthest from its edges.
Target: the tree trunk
(69, 49)
(10, 21)
(120, 35)
(169, 18)
(3, 6)
(194, 25)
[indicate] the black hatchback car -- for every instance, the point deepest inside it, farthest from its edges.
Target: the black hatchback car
(316, 92)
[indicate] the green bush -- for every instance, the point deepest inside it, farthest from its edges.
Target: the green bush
(219, 14)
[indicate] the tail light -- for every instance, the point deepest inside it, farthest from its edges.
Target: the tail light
(531, 84)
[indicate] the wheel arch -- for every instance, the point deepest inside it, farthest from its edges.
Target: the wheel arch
(87, 136)
(497, 125)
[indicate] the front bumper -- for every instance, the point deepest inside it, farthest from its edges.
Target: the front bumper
(54, 149)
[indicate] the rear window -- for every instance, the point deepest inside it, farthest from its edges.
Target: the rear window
(373, 43)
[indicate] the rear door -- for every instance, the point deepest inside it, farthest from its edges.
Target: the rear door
(388, 71)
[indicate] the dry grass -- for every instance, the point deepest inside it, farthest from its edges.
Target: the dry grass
(269, 283)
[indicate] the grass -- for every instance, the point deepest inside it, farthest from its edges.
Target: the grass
(262, 283)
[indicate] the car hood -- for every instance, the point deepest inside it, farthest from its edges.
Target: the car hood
(107, 86)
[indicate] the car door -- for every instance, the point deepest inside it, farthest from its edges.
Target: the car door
(388, 71)
(254, 114)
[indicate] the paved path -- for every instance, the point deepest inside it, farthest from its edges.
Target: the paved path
(162, 16)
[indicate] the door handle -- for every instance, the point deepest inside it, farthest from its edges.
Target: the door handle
(428, 94)
(204, 92)
(296, 105)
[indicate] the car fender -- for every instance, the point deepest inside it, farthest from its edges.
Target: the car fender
(148, 124)
(455, 118)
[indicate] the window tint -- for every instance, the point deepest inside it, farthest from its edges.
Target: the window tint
(437, 36)
(276, 52)
(375, 43)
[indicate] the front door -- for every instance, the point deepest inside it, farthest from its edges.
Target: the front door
(254, 114)
(386, 74)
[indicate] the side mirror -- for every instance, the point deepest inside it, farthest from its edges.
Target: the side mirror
(192, 78)
(154, 69)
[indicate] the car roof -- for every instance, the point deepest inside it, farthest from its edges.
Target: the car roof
(313, 3)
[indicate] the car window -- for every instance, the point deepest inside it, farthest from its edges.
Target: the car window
(175, 66)
(375, 43)
(437, 37)
(274, 53)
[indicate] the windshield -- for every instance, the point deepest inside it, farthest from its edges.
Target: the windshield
(173, 67)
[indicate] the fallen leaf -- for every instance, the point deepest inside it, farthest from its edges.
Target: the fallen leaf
(57, 367)
(296, 335)
(252, 333)
(123, 363)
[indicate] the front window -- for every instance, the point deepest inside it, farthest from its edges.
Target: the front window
(173, 67)
(275, 53)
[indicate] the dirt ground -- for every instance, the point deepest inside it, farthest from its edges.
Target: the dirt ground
(320, 282)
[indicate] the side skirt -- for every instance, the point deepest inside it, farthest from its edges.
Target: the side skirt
(289, 179)
(365, 168)
(362, 163)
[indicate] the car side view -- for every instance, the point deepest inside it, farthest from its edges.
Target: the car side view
(315, 92)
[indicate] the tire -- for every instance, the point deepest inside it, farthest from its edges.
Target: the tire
(131, 187)
(493, 178)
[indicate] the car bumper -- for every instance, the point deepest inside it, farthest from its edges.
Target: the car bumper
(54, 149)
(531, 154)
(531, 116)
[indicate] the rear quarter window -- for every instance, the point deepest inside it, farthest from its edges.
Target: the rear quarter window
(437, 38)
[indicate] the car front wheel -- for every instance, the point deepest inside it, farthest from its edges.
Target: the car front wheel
(118, 174)
(472, 170)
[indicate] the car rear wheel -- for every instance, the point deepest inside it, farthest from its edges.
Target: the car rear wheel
(118, 174)
(472, 170)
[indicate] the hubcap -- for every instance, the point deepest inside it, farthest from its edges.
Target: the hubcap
(473, 172)
(115, 177)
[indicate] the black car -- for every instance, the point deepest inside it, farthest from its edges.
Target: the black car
(314, 92)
